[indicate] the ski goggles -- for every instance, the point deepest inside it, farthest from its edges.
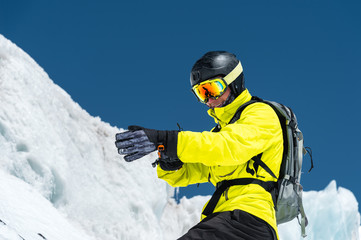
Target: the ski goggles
(215, 87)
(212, 88)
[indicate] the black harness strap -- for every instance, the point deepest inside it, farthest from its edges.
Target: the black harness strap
(257, 159)
(269, 186)
(236, 116)
(222, 186)
(239, 111)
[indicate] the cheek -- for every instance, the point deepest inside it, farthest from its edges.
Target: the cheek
(224, 97)
(227, 93)
(219, 100)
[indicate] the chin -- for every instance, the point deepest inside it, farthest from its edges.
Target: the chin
(217, 106)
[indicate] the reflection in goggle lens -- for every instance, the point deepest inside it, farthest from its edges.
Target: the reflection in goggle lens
(213, 88)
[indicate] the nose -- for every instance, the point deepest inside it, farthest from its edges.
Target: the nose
(210, 101)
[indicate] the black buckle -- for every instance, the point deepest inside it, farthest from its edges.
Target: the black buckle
(219, 184)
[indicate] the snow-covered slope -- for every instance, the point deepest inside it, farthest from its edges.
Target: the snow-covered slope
(69, 157)
(61, 177)
(26, 214)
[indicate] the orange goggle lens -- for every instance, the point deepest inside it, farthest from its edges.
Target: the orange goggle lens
(213, 88)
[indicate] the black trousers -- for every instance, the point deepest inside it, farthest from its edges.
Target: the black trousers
(231, 225)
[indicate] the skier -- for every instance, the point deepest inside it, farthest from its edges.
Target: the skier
(243, 211)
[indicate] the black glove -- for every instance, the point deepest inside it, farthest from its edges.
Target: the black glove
(173, 165)
(139, 141)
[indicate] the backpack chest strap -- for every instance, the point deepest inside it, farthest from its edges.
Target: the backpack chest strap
(222, 186)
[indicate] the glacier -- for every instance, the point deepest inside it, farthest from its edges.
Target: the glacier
(61, 176)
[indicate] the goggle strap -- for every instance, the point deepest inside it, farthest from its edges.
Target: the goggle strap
(234, 74)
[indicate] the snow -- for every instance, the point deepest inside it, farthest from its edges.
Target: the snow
(61, 176)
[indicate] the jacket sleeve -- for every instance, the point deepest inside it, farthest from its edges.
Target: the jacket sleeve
(236, 143)
(190, 173)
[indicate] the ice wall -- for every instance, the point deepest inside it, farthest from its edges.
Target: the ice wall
(69, 157)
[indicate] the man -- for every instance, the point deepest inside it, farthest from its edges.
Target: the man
(244, 210)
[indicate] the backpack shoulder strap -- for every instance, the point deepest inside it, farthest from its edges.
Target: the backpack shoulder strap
(237, 115)
(239, 111)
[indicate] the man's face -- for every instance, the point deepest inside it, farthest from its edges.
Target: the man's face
(213, 103)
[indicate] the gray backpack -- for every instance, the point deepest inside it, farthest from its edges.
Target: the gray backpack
(287, 191)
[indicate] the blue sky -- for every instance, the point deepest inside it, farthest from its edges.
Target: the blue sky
(129, 62)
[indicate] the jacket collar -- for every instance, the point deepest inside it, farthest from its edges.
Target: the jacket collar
(224, 114)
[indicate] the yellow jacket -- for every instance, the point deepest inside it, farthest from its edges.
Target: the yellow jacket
(223, 155)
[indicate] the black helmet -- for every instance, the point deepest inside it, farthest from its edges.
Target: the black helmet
(218, 63)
